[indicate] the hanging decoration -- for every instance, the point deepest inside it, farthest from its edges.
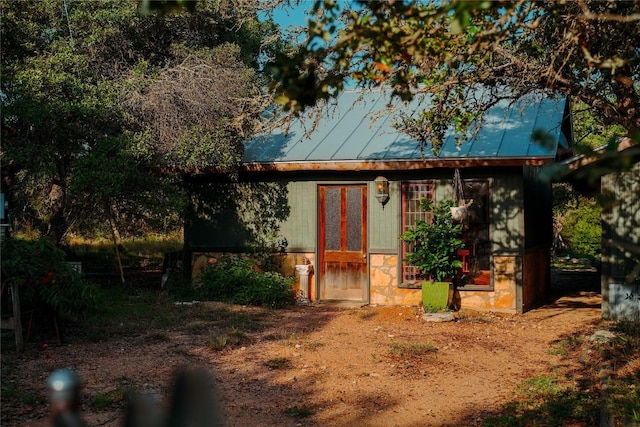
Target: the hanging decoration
(459, 213)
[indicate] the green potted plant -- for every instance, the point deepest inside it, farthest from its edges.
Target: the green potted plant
(435, 245)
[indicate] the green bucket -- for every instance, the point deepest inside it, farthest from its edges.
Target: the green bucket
(435, 295)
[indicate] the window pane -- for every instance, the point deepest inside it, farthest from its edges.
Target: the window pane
(476, 233)
(412, 194)
(354, 219)
(332, 219)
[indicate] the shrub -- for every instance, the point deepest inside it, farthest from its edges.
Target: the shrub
(40, 270)
(435, 243)
(236, 280)
(581, 228)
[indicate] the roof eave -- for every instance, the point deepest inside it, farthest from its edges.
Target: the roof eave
(375, 165)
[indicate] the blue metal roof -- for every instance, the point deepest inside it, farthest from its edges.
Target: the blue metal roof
(358, 128)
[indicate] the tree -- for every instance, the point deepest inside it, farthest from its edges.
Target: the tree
(95, 97)
(584, 49)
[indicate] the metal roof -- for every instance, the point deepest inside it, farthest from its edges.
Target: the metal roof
(359, 129)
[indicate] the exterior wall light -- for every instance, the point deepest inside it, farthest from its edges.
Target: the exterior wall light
(382, 189)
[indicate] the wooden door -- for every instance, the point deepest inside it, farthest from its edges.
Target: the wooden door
(343, 243)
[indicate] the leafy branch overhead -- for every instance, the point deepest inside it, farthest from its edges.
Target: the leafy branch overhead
(445, 51)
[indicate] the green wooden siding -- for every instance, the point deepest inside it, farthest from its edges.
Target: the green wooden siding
(300, 227)
(228, 216)
(507, 210)
(235, 216)
(384, 221)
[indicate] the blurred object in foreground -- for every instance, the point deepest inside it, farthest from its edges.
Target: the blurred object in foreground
(192, 404)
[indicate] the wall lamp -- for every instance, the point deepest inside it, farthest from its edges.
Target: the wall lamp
(382, 189)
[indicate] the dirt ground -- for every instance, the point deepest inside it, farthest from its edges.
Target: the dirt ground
(323, 365)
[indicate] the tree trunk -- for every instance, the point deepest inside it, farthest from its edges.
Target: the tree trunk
(57, 227)
(115, 236)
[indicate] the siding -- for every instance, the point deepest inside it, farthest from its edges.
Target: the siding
(300, 227)
(384, 221)
(538, 208)
(227, 216)
(620, 237)
(507, 210)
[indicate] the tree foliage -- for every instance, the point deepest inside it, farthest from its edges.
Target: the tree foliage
(96, 95)
(40, 270)
(447, 50)
(576, 217)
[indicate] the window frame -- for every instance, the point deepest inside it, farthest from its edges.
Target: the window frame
(409, 277)
(488, 242)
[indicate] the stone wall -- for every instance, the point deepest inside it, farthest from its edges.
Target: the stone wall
(384, 288)
(503, 296)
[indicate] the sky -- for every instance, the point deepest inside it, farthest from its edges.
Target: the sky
(296, 16)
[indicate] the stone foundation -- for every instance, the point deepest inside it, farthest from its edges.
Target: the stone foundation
(384, 288)
(384, 280)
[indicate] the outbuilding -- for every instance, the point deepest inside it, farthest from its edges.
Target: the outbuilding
(334, 195)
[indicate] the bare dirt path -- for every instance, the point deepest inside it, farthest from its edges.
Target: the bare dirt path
(325, 366)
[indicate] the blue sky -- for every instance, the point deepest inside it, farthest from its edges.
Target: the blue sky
(296, 16)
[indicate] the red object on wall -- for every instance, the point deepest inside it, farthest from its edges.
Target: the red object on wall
(463, 254)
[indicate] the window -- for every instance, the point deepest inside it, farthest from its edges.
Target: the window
(476, 256)
(412, 193)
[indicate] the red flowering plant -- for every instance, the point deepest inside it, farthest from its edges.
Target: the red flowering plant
(44, 276)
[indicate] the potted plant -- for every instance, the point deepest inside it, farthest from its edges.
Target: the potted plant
(435, 245)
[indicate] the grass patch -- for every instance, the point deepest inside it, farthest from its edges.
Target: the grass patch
(198, 328)
(313, 345)
(147, 251)
(477, 318)
(279, 363)
(623, 355)
(411, 350)
(15, 393)
(250, 322)
(113, 398)
(299, 411)
(367, 314)
(223, 340)
(572, 397)
(285, 337)
(157, 337)
(565, 345)
(131, 312)
(545, 398)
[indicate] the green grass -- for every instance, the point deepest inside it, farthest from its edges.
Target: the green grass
(544, 401)
(411, 350)
(565, 345)
(572, 396)
(13, 392)
(222, 340)
(147, 251)
(131, 312)
(113, 398)
(278, 363)
(128, 311)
